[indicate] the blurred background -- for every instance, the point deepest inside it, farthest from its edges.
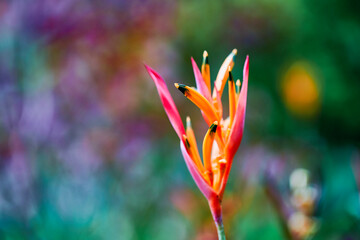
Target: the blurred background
(87, 152)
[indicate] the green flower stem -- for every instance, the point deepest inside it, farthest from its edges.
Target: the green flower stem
(220, 230)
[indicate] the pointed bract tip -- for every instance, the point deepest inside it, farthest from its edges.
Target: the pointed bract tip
(149, 69)
(230, 75)
(234, 51)
(246, 64)
(187, 144)
(188, 122)
(205, 57)
(205, 54)
(181, 87)
(213, 127)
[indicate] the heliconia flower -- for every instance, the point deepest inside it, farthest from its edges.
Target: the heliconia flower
(223, 136)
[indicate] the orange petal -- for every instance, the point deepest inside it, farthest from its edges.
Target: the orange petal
(205, 70)
(219, 109)
(200, 101)
(232, 98)
(219, 174)
(193, 145)
(217, 103)
(207, 146)
(238, 85)
(223, 72)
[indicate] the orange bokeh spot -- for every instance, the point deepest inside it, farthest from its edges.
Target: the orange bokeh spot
(301, 92)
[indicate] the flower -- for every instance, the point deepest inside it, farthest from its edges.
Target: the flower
(223, 136)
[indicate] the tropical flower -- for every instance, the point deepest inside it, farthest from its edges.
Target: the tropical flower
(223, 136)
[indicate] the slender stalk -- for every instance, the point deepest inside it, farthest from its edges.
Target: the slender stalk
(220, 230)
(216, 211)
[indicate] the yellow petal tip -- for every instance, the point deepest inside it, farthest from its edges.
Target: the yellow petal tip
(188, 122)
(205, 54)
